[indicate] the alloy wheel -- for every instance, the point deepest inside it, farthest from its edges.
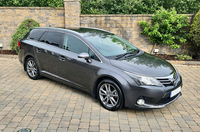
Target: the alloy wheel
(108, 95)
(31, 68)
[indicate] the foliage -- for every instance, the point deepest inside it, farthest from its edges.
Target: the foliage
(119, 6)
(183, 57)
(138, 6)
(32, 3)
(114, 6)
(182, 6)
(167, 27)
(22, 30)
(195, 33)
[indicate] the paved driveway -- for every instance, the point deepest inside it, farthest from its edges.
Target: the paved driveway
(46, 105)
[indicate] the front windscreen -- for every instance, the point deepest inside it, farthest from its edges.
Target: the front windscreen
(110, 44)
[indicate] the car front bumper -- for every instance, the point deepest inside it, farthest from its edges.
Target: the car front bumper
(156, 106)
(154, 97)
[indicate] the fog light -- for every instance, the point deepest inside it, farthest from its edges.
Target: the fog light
(140, 101)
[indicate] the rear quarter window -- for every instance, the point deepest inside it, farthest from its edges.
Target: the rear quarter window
(35, 35)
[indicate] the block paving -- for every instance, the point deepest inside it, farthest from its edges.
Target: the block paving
(45, 105)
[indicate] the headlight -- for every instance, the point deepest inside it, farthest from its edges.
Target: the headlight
(143, 80)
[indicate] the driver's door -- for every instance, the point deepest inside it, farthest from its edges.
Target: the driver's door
(74, 70)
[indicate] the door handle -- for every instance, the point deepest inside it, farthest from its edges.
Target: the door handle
(38, 50)
(61, 58)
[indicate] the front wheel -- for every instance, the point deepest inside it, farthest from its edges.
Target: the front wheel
(32, 69)
(110, 95)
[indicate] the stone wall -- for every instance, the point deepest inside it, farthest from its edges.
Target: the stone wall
(127, 26)
(11, 18)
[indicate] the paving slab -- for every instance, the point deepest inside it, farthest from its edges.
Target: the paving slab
(49, 106)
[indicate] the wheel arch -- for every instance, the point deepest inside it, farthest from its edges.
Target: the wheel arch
(103, 77)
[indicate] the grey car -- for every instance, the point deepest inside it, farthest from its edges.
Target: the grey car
(101, 63)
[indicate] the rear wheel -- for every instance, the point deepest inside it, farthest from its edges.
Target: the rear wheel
(32, 68)
(110, 95)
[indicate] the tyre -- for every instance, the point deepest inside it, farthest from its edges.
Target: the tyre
(32, 68)
(110, 95)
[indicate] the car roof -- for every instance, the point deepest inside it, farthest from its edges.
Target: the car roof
(82, 31)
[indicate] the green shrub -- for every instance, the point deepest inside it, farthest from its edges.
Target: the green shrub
(22, 30)
(195, 33)
(183, 57)
(167, 27)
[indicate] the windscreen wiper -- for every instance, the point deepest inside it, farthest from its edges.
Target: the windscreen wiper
(127, 53)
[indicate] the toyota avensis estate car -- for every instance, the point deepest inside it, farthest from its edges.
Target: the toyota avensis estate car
(101, 63)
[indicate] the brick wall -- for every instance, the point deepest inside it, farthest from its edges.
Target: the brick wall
(11, 18)
(127, 27)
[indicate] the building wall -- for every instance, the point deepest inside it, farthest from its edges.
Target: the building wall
(11, 18)
(127, 26)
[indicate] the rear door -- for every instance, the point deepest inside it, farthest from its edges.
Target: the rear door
(39, 47)
(47, 51)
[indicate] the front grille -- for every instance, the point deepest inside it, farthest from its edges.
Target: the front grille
(165, 81)
(169, 80)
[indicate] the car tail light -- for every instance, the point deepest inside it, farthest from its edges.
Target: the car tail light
(19, 44)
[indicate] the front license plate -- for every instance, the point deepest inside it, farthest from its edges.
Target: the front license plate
(175, 92)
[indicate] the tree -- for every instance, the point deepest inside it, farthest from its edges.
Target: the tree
(167, 27)
(195, 33)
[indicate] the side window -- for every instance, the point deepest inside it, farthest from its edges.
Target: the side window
(74, 44)
(35, 35)
(93, 56)
(53, 38)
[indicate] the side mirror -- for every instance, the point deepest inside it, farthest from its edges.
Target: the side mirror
(85, 56)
